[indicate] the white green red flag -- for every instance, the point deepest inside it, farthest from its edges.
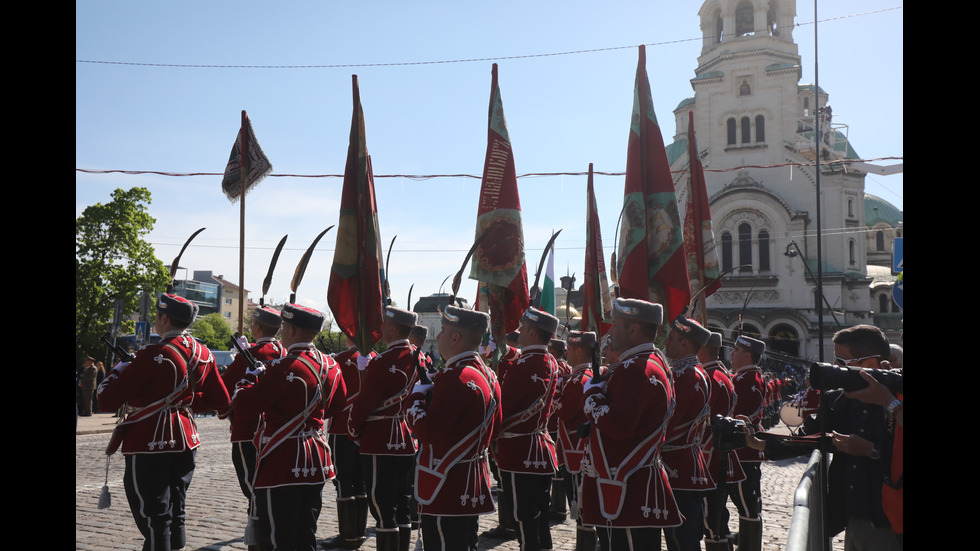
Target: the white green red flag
(651, 261)
(548, 287)
(597, 301)
(499, 258)
(356, 296)
(257, 165)
(699, 238)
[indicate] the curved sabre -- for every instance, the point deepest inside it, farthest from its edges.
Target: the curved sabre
(176, 262)
(267, 282)
(301, 267)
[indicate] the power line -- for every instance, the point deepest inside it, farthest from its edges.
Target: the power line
(423, 177)
(443, 61)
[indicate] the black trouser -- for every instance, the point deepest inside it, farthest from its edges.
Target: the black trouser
(529, 497)
(156, 489)
(628, 539)
(449, 533)
(243, 457)
(388, 480)
(716, 513)
(747, 494)
(288, 515)
(687, 536)
(346, 456)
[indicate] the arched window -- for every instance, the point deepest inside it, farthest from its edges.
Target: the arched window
(719, 25)
(731, 131)
(760, 129)
(764, 251)
(851, 252)
(883, 303)
(745, 248)
(850, 208)
(880, 241)
(726, 252)
(746, 130)
(744, 19)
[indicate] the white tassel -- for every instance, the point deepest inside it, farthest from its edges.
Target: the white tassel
(250, 537)
(105, 499)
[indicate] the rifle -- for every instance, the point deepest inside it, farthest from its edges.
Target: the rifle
(120, 352)
(249, 359)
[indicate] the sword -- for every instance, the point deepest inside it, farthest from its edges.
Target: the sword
(272, 267)
(301, 267)
(536, 299)
(458, 278)
(388, 270)
(176, 262)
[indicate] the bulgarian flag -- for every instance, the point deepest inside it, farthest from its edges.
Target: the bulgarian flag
(499, 258)
(597, 301)
(548, 287)
(699, 239)
(651, 261)
(355, 295)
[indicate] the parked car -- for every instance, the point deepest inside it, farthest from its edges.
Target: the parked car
(223, 358)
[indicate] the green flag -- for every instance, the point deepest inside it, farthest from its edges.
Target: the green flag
(548, 289)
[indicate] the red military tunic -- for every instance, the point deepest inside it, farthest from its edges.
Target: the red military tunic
(265, 350)
(681, 453)
(376, 418)
(294, 395)
(721, 402)
(625, 485)
(523, 444)
(166, 383)
(454, 428)
(564, 370)
(750, 392)
(347, 360)
(571, 415)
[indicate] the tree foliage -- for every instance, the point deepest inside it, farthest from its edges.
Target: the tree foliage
(213, 331)
(112, 260)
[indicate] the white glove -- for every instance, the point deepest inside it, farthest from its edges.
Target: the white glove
(488, 349)
(257, 370)
(422, 387)
(601, 385)
(243, 342)
(362, 362)
(121, 366)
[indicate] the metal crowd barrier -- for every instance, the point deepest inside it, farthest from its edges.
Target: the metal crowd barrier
(806, 529)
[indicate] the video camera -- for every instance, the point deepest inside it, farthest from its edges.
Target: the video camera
(728, 432)
(825, 376)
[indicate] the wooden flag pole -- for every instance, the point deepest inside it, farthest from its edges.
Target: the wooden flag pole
(243, 151)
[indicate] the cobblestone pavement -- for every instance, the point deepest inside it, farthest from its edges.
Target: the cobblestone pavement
(216, 513)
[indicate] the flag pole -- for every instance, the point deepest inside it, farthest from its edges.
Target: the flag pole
(243, 136)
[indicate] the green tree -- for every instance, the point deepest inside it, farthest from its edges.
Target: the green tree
(112, 261)
(213, 331)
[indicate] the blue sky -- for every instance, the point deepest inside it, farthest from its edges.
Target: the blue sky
(148, 105)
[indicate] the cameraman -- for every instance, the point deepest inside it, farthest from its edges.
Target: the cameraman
(861, 436)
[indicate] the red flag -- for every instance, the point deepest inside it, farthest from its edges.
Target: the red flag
(355, 295)
(257, 164)
(652, 265)
(597, 302)
(499, 259)
(699, 239)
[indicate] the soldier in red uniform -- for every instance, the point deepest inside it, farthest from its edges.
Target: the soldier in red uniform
(559, 507)
(582, 356)
(506, 528)
(750, 392)
(294, 394)
(455, 417)
(352, 505)
(525, 452)
(682, 456)
(722, 464)
(625, 491)
(165, 384)
(265, 324)
(378, 423)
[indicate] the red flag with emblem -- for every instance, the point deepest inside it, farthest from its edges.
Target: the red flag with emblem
(699, 239)
(651, 263)
(499, 259)
(597, 301)
(355, 295)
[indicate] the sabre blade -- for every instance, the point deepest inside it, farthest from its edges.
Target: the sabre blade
(301, 267)
(272, 268)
